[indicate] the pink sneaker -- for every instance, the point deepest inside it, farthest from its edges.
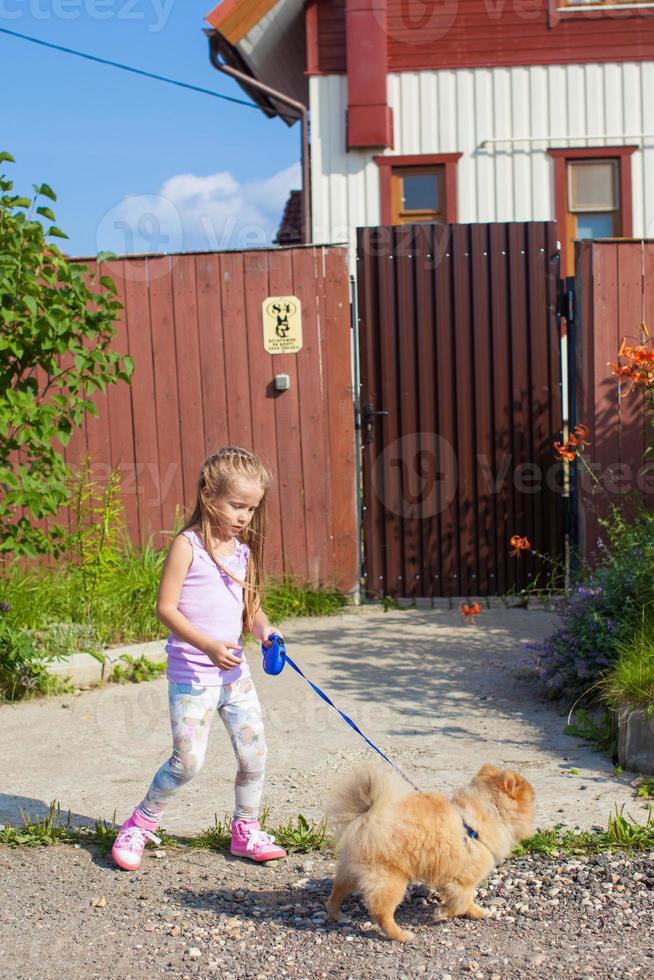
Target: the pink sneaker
(250, 841)
(131, 840)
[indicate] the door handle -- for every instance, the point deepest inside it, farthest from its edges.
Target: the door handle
(368, 417)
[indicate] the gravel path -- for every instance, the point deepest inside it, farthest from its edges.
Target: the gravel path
(196, 914)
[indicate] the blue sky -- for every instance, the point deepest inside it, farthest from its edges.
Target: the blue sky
(138, 165)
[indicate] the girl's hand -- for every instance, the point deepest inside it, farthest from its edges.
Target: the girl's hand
(271, 629)
(219, 654)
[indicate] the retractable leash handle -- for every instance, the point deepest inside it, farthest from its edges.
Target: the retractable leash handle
(274, 658)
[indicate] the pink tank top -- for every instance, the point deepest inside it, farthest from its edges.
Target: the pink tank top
(213, 603)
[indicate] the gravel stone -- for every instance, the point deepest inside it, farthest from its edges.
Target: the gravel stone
(199, 914)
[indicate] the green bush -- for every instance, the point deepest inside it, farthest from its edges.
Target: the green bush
(55, 336)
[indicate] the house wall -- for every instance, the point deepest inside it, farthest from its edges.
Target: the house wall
(456, 110)
(468, 33)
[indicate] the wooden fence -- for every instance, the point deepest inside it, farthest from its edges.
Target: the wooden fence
(614, 289)
(193, 324)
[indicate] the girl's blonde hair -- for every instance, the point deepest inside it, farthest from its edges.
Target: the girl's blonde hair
(217, 476)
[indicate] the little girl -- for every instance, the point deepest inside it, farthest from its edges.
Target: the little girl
(211, 589)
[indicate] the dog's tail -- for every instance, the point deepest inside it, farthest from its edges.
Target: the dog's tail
(361, 802)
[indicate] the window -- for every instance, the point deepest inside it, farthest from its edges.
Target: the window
(417, 194)
(593, 197)
(417, 188)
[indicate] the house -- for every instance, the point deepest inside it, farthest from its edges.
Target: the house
(461, 110)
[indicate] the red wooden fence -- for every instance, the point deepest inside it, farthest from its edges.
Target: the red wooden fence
(193, 325)
(615, 294)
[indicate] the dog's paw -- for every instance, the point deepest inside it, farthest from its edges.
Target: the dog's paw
(336, 915)
(404, 936)
(475, 912)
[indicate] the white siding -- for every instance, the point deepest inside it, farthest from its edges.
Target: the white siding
(455, 111)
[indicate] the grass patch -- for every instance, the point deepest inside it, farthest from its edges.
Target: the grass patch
(137, 669)
(630, 681)
(645, 787)
(37, 832)
(622, 833)
(287, 597)
(216, 838)
(299, 835)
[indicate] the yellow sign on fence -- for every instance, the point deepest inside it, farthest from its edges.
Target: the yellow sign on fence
(282, 324)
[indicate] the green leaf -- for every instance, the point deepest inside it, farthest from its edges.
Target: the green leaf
(6, 156)
(105, 256)
(47, 213)
(46, 191)
(109, 284)
(55, 232)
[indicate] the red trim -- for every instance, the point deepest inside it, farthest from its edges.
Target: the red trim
(574, 153)
(524, 61)
(387, 162)
(369, 119)
(561, 156)
(557, 13)
(311, 28)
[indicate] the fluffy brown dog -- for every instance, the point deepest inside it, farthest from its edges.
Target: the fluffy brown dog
(387, 838)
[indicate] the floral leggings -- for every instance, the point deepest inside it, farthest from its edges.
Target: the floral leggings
(192, 709)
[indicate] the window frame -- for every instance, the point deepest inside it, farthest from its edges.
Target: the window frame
(388, 162)
(561, 158)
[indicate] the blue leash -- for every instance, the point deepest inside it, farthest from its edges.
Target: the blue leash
(274, 658)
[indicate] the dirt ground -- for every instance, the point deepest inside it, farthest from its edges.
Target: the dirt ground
(198, 914)
(440, 698)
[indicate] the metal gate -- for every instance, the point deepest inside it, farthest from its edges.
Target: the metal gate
(460, 403)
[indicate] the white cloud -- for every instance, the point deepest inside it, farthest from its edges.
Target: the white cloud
(192, 212)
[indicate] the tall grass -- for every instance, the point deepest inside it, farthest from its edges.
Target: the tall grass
(630, 681)
(288, 597)
(121, 608)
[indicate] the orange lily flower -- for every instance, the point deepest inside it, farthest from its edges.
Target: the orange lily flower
(469, 610)
(519, 544)
(565, 452)
(638, 367)
(577, 439)
(581, 432)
